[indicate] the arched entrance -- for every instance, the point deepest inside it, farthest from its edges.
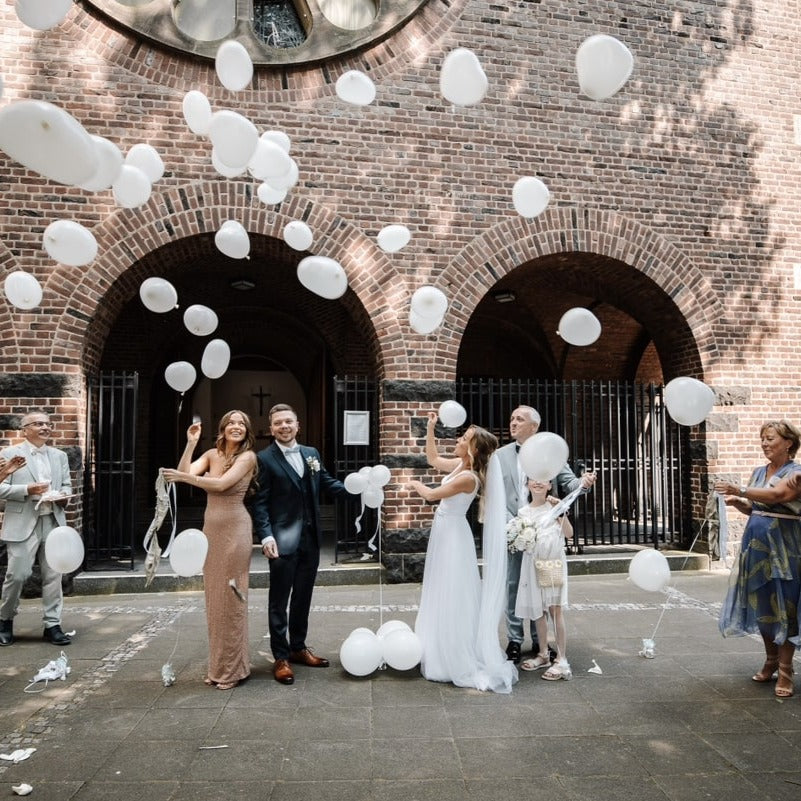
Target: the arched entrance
(287, 344)
(605, 398)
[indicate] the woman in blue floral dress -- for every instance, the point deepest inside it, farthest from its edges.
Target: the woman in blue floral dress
(765, 589)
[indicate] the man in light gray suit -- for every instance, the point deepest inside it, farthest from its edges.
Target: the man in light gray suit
(28, 520)
(523, 424)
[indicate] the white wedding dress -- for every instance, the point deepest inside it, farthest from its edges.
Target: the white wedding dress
(458, 619)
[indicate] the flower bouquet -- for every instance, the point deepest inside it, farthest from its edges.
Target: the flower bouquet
(521, 534)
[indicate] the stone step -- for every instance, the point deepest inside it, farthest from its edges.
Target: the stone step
(331, 574)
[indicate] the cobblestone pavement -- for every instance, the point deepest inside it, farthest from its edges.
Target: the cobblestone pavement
(688, 724)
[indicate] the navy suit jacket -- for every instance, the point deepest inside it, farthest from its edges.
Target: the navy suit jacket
(277, 508)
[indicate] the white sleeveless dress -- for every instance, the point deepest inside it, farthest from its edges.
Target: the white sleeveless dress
(448, 618)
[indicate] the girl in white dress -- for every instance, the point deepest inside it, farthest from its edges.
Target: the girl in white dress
(546, 591)
(454, 647)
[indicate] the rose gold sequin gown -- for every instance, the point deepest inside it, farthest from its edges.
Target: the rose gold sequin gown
(228, 527)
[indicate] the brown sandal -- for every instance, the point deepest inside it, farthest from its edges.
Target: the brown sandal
(784, 686)
(768, 671)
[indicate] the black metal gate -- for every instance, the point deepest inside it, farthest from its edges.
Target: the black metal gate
(353, 397)
(619, 429)
(109, 470)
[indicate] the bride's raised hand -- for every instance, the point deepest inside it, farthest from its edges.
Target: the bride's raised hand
(193, 433)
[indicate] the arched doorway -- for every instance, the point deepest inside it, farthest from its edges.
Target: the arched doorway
(605, 398)
(287, 344)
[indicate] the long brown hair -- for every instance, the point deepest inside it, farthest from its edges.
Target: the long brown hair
(247, 444)
(480, 448)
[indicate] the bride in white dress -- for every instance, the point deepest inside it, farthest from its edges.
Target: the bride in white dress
(458, 618)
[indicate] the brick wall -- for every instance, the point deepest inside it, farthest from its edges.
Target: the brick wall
(674, 211)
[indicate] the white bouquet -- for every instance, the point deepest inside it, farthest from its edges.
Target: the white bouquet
(521, 534)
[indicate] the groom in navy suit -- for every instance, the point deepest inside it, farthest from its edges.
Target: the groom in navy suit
(286, 518)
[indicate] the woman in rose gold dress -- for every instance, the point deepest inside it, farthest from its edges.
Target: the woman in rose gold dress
(226, 473)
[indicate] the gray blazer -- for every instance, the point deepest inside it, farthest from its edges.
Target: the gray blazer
(20, 511)
(565, 482)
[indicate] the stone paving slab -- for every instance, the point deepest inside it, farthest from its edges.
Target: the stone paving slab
(685, 726)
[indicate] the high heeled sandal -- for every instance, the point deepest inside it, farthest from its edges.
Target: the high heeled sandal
(229, 685)
(785, 675)
(768, 671)
(557, 671)
(537, 663)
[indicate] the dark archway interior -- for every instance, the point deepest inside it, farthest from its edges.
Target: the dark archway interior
(644, 336)
(276, 324)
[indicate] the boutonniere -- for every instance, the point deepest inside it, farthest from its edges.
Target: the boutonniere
(314, 464)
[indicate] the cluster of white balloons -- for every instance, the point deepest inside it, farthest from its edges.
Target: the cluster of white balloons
(579, 327)
(427, 309)
(369, 482)
(688, 400)
(64, 549)
(649, 570)
(159, 295)
(188, 552)
(394, 644)
(543, 455)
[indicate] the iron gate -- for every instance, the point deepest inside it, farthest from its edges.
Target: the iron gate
(354, 394)
(619, 429)
(109, 470)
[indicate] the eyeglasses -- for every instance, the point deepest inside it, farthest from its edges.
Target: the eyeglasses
(38, 424)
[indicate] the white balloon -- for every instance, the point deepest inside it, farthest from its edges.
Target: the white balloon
(452, 414)
(603, 64)
(649, 570)
(197, 112)
(227, 172)
(22, 290)
(360, 654)
(355, 483)
(132, 188)
(380, 475)
(64, 549)
(579, 327)
(423, 325)
(429, 302)
(373, 496)
(68, 242)
(530, 196)
(188, 552)
(270, 196)
(147, 159)
(200, 320)
(232, 239)
(393, 238)
(356, 88)
(269, 161)
(401, 649)
(41, 15)
(47, 140)
(233, 65)
(365, 471)
(109, 164)
(688, 400)
(323, 276)
(234, 137)
(216, 358)
(462, 79)
(280, 138)
(158, 295)
(390, 626)
(287, 180)
(298, 235)
(180, 376)
(543, 455)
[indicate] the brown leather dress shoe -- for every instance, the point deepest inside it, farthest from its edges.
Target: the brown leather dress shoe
(306, 657)
(283, 672)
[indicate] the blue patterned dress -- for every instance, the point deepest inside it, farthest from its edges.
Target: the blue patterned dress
(764, 595)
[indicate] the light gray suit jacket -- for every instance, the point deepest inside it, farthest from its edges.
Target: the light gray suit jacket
(565, 482)
(21, 514)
